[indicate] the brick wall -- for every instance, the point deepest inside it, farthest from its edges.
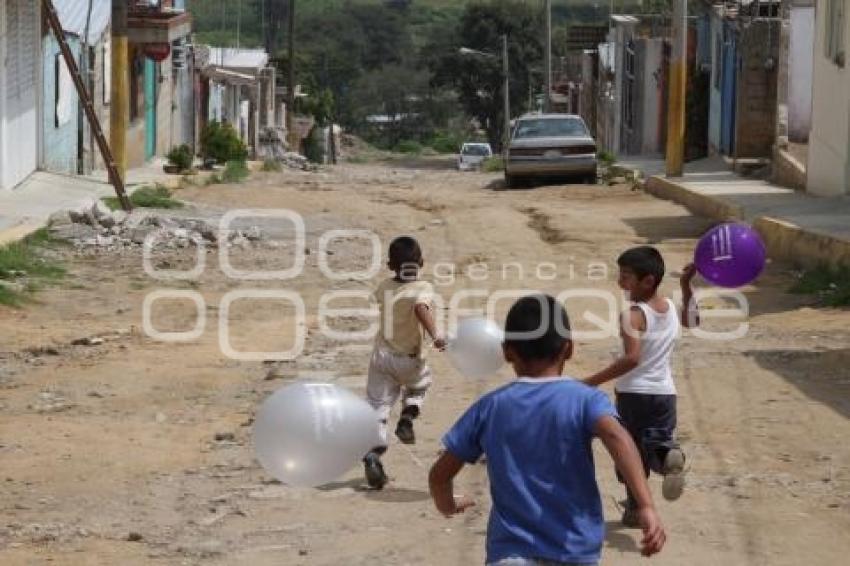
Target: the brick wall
(756, 97)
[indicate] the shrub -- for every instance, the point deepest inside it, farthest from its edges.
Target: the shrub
(492, 164)
(831, 285)
(23, 268)
(445, 142)
(221, 143)
(409, 146)
(157, 196)
(314, 149)
(235, 171)
(606, 157)
(181, 156)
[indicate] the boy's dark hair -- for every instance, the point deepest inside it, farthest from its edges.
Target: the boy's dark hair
(537, 327)
(404, 251)
(643, 260)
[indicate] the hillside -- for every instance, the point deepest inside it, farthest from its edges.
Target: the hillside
(216, 20)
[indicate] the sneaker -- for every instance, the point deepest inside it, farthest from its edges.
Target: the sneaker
(375, 475)
(404, 431)
(630, 518)
(674, 475)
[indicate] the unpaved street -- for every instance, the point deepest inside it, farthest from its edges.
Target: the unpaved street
(137, 451)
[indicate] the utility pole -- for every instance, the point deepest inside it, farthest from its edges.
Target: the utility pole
(119, 107)
(547, 56)
(506, 134)
(290, 89)
(677, 91)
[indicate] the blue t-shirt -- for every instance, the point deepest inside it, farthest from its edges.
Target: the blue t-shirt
(537, 436)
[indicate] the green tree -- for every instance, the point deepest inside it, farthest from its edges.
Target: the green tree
(272, 16)
(396, 91)
(478, 80)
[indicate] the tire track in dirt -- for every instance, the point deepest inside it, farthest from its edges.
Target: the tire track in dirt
(541, 223)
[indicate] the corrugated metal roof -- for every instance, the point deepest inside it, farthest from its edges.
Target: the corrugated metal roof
(238, 58)
(73, 13)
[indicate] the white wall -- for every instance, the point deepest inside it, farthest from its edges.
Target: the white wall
(20, 62)
(829, 141)
(715, 103)
(801, 53)
(650, 105)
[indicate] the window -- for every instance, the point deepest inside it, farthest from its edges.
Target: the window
(834, 42)
(550, 128)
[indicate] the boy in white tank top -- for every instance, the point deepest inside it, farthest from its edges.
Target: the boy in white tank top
(645, 391)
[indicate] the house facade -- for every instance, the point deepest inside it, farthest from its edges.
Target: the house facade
(829, 139)
(632, 65)
(237, 86)
(67, 144)
(20, 90)
(744, 63)
(162, 102)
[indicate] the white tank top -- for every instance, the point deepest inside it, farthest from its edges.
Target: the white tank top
(653, 376)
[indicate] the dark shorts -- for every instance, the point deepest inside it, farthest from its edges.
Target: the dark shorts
(651, 422)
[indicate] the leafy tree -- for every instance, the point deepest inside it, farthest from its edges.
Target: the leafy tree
(478, 80)
(396, 91)
(321, 107)
(273, 16)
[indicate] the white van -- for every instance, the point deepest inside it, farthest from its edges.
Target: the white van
(472, 154)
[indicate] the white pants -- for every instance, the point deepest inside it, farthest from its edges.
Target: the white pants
(390, 374)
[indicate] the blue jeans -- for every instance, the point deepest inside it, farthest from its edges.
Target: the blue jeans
(534, 562)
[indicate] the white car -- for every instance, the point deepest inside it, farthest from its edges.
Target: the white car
(550, 145)
(472, 154)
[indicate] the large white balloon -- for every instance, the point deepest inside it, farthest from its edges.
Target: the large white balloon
(476, 348)
(309, 434)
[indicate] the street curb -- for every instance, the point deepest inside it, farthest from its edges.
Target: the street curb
(18, 232)
(804, 248)
(784, 240)
(699, 204)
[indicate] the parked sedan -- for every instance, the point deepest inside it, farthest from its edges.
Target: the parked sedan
(472, 155)
(550, 145)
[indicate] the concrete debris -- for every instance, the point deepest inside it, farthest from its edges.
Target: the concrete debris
(96, 227)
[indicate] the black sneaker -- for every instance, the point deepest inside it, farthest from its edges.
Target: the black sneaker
(404, 431)
(374, 469)
(630, 517)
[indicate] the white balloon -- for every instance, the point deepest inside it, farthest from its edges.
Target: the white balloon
(476, 349)
(309, 434)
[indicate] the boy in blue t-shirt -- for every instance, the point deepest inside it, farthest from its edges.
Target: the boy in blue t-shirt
(536, 433)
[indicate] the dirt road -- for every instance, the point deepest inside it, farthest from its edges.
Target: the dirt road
(136, 451)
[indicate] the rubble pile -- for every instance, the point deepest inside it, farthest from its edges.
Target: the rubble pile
(273, 146)
(95, 226)
(297, 161)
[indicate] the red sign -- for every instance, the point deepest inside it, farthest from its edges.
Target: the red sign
(157, 51)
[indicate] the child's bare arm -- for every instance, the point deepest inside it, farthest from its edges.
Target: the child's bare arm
(440, 479)
(625, 455)
(690, 309)
(426, 319)
(631, 350)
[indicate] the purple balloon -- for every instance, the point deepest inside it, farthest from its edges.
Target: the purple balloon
(730, 255)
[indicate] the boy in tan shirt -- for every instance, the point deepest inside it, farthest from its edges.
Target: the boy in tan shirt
(398, 366)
